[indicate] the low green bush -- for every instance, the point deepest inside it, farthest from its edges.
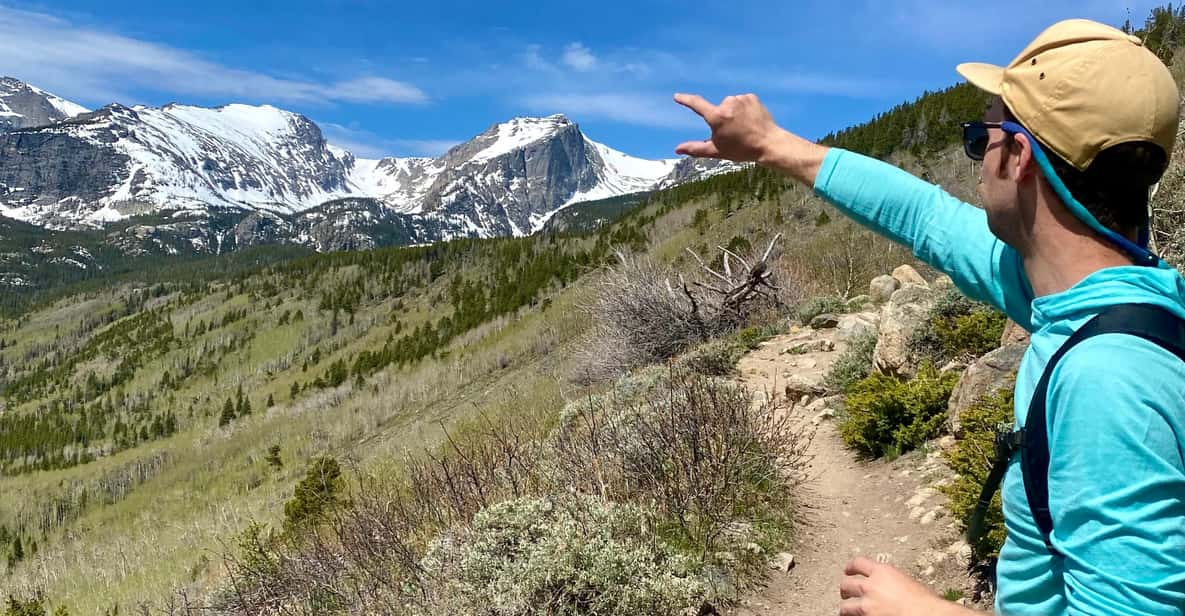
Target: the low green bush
(564, 556)
(887, 416)
(816, 306)
(750, 337)
(715, 358)
(957, 327)
(972, 459)
(855, 363)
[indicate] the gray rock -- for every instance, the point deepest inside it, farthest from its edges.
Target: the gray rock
(906, 274)
(984, 377)
(800, 386)
(782, 561)
(852, 325)
(826, 320)
(905, 312)
(882, 287)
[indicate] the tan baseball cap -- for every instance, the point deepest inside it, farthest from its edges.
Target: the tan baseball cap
(1081, 87)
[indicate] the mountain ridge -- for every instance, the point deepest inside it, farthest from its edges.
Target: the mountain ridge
(117, 162)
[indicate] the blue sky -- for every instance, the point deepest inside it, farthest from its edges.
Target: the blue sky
(400, 78)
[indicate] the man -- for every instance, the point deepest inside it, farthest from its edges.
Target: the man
(1081, 124)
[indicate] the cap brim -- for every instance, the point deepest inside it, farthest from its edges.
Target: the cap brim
(986, 77)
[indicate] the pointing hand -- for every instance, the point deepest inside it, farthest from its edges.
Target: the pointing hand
(742, 128)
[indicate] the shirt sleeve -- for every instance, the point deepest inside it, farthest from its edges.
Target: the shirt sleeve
(950, 235)
(1117, 478)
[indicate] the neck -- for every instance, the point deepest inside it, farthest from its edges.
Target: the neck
(1060, 250)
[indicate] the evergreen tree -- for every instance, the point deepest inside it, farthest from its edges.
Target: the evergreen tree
(315, 495)
(228, 413)
(273, 457)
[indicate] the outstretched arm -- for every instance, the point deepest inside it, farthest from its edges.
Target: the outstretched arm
(943, 231)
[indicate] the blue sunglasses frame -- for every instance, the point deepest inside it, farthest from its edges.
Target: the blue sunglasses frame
(975, 133)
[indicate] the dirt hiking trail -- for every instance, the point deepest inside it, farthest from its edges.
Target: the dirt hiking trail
(889, 511)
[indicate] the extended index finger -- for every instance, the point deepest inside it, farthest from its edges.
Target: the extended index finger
(696, 103)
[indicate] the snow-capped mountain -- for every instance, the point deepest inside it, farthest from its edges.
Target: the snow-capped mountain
(22, 106)
(62, 167)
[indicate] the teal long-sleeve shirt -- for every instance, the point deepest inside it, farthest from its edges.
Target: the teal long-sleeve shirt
(1115, 411)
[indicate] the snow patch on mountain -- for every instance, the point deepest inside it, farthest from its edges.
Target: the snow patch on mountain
(67, 108)
(519, 133)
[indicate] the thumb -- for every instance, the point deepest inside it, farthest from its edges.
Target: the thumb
(698, 149)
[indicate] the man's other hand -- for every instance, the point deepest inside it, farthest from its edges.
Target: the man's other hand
(874, 589)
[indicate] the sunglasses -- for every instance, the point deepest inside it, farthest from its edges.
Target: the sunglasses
(975, 136)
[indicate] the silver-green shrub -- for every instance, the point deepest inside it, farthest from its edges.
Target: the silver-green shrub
(573, 555)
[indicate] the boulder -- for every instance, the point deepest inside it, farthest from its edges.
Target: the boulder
(800, 386)
(852, 325)
(1014, 334)
(881, 288)
(984, 377)
(905, 312)
(906, 275)
(826, 320)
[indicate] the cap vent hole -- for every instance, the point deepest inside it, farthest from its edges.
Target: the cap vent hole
(1034, 61)
(1042, 76)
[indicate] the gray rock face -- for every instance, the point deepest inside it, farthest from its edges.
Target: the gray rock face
(57, 168)
(508, 193)
(22, 106)
(905, 312)
(129, 161)
(986, 376)
(697, 168)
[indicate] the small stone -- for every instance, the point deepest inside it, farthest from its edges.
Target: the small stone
(929, 517)
(782, 561)
(917, 512)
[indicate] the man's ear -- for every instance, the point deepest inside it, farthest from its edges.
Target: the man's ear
(1022, 163)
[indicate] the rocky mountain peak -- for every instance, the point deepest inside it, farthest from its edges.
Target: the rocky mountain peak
(24, 106)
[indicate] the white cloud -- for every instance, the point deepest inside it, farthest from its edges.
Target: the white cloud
(81, 62)
(655, 110)
(365, 144)
(579, 57)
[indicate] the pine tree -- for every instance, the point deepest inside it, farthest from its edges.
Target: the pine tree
(270, 401)
(228, 413)
(18, 550)
(273, 457)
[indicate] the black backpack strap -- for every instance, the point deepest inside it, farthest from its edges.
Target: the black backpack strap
(1151, 323)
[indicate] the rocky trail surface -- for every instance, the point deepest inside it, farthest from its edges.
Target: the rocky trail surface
(890, 511)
